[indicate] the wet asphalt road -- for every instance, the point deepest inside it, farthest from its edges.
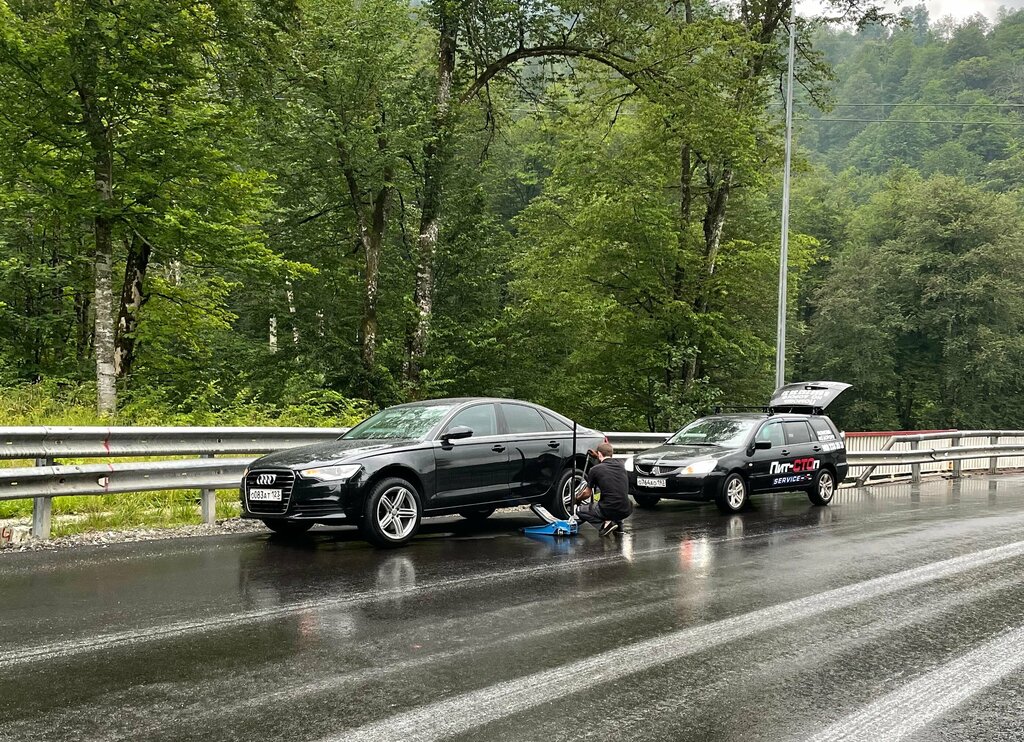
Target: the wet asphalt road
(896, 613)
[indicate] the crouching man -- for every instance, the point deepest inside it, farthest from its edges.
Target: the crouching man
(609, 478)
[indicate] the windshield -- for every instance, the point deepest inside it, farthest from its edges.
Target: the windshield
(714, 431)
(399, 423)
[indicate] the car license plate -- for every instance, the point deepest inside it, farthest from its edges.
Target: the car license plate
(272, 495)
(654, 483)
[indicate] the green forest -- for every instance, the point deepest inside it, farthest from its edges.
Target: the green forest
(298, 211)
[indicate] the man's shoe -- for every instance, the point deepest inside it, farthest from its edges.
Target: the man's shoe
(607, 527)
(619, 529)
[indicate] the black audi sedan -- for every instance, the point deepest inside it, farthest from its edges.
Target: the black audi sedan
(468, 456)
(790, 445)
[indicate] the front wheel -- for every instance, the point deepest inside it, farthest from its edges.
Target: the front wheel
(733, 495)
(646, 501)
(287, 527)
(391, 514)
(823, 489)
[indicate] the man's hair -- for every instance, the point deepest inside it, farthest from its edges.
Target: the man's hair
(605, 449)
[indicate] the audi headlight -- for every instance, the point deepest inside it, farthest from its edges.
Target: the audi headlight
(701, 467)
(628, 463)
(331, 473)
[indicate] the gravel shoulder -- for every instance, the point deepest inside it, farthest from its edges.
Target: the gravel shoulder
(104, 538)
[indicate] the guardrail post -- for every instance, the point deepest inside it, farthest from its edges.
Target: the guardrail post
(209, 500)
(915, 469)
(957, 463)
(42, 510)
(863, 478)
(993, 466)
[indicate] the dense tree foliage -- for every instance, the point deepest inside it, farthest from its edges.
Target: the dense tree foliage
(307, 203)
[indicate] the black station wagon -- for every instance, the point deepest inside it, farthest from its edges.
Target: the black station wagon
(790, 445)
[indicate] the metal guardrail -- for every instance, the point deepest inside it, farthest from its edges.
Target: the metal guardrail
(955, 453)
(48, 479)
(93, 442)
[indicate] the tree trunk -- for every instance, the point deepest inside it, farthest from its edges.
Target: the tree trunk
(101, 142)
(373, 246)
(435, 152)
(103, 303)
(136, 264)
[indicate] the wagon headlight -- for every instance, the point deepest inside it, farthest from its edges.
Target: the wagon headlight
(628, 463)
(701, 467)
(331, 473)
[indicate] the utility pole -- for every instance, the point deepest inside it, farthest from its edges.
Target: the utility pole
(780, 343)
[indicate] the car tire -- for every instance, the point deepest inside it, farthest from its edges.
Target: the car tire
(824, 488)
(733, 495)
(646, 501)
(391, 513)
(287, 527)
(477, 515)
(561, 499)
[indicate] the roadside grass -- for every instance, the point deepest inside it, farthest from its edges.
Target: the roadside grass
(81, 514)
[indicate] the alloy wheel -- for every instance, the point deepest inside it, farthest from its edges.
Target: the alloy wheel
(735, 493)
(396, 513)
(826, 486)
(569, 490)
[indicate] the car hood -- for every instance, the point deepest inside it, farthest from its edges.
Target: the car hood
(331, 452)
(680, 455)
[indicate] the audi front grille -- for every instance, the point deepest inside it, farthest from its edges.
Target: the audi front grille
(282, 478)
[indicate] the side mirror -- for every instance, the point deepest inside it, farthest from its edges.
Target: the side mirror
(762, 445)
(459, 431)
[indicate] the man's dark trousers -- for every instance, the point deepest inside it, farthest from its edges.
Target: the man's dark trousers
(591, 513)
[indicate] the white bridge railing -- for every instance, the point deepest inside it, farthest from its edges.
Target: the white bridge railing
(871, 455)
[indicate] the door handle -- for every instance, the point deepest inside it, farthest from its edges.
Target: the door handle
(553, 444)
(498, 448)
(816, 449)
(785, 452)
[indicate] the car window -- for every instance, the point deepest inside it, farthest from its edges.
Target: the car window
(797, 432)
(823, 429)
(555, 424)
(479, 418)
(771, 432)
(522, 419)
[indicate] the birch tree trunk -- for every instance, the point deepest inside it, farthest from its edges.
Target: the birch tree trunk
(103, 303)
(101, 142)
(435, 153)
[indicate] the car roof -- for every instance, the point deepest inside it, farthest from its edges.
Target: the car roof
(461, 400)
(762, 416)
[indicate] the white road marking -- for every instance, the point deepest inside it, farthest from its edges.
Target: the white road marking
(470, 710)
(907, 710)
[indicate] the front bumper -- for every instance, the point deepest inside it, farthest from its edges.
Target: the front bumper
(685, 487)
(303, 499)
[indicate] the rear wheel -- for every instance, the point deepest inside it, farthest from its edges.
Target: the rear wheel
(733, 495)
(287, 527)
(560, 502)
(477, 514)
(823, 489)
(646, 501)
(391, 514)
